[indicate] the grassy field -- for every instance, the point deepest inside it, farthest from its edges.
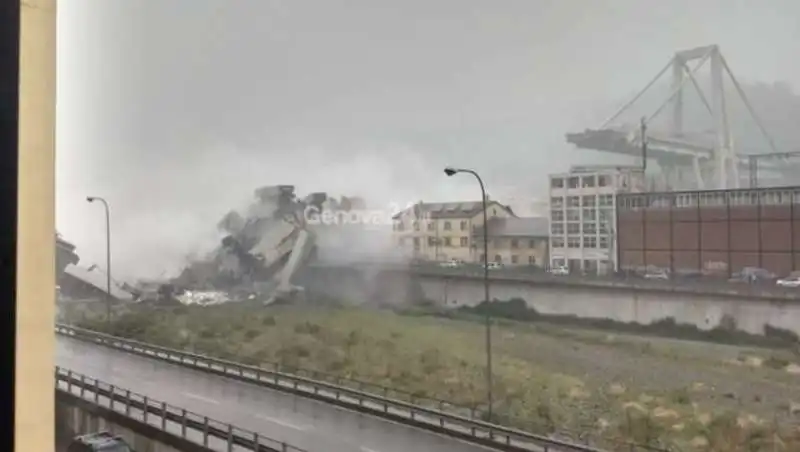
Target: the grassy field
(610, 387)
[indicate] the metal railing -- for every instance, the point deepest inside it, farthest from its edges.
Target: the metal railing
(463, 426)
(192, 427)
(695, 286)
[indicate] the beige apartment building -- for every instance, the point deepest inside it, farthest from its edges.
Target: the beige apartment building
(515, 241)
(453, 230)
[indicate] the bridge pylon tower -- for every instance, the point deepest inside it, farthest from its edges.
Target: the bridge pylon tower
(688, 160)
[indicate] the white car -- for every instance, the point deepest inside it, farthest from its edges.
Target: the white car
(559, 271)
(791, 281)
(658, 274)
(452, 263)
(494, 266)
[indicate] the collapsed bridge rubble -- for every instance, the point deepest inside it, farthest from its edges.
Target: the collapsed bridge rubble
(264, 247)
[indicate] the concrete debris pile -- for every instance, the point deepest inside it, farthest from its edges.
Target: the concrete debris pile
(263, 246)
(204, 298)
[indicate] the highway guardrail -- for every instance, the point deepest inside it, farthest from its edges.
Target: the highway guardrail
(178, 422)
(684, 286)
(472, 430)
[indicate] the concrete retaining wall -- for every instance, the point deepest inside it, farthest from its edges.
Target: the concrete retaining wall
(624, 306)
(359, 286)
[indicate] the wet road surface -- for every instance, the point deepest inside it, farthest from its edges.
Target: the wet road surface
(303, 423)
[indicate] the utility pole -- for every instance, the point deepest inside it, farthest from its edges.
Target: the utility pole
(643, 132)
(108, 255)
(488, 319)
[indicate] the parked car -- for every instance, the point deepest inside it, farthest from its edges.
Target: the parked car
(494, 266)
(99, 442)
(559, 271)
(656, 274)
(452, 263)
(753, 275)
(792, 280)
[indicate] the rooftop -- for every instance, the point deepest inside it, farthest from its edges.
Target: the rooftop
(440, 210)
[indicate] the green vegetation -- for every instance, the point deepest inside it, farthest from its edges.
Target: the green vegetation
(724, 333)
(548, 378)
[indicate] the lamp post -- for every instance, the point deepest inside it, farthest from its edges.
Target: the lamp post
(450, 172)
(108, 256)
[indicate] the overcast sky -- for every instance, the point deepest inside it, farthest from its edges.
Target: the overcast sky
(175, 110)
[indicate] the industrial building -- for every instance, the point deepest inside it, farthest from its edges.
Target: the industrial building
(582, 216)
(711, 231)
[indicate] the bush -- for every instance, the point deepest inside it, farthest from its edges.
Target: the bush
(726, 332)
(781, 334)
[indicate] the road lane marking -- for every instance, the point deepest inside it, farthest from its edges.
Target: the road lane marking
(367, 449)
(281, 422)
(199, 397)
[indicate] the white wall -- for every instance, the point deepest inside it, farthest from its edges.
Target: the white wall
(623, 306)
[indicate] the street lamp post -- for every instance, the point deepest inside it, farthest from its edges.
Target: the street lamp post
(108, 256)
(450, 172)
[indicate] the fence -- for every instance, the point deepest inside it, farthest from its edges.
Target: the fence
(445, 418)
(193, 427)
(692, 286)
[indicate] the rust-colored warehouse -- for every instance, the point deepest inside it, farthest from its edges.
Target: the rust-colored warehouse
(718, 231)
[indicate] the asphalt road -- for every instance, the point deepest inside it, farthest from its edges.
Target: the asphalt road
(307, 424)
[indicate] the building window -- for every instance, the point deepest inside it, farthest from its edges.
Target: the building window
(494, 212)
(557, 202)
(416, 225)
(589, 214)
(498, 258)
(400, 226)
(514, 259)
(588, 181)
(514, 243)
(573, 242)
(606, 215)
(448, 241)
(531, 260)
(556, 182)
(416, 243)
(603, 180)
(589, 201)
(557, 215)
(606, 200)
(463, 225)
(447, 226)
(573, 228)
(431, 241)
(532, 244)
(589, 228)
(431, 225)
(573, 215)
(590, 242)
(557, 228)
(464, 242)
(573, 201)
(604, 229)
(604, 242)
(572, 182)
(557, 242)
